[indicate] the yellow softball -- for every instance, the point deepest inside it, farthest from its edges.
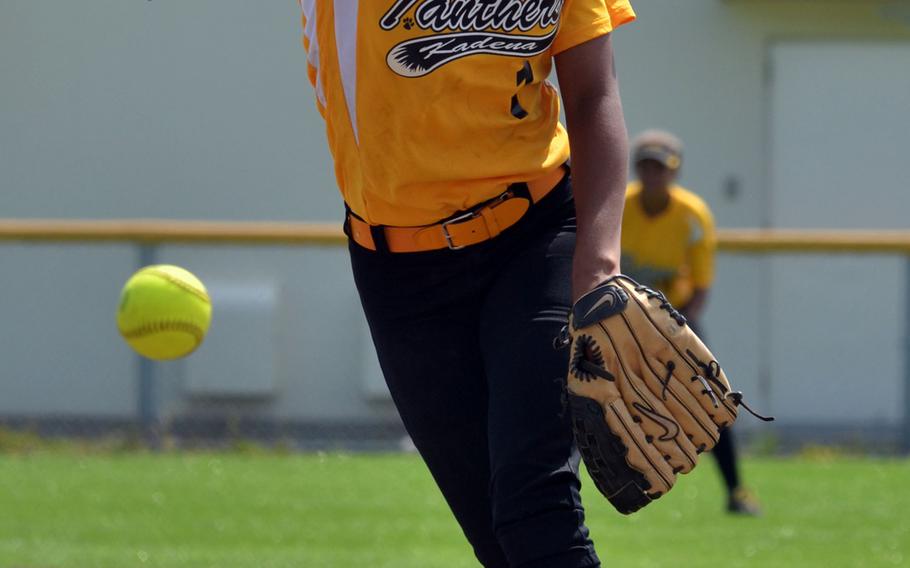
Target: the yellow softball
(164, 312)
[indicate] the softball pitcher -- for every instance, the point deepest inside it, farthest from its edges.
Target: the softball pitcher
(466, 244)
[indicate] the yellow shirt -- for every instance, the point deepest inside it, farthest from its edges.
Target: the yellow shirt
(433, 106)
(672, 251)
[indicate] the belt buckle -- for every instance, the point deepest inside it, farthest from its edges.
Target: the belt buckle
(445, 228)
(470, 215)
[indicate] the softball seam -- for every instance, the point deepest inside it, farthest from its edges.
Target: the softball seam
(150, 328)
(180, 284)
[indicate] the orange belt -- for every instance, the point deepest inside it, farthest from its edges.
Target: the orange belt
(464, 230)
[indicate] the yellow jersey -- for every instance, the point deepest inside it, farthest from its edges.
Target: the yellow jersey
(434, 106)
(672, 251)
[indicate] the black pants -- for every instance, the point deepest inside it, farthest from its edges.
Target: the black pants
(465, 341)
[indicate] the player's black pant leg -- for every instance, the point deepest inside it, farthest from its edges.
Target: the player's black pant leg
(537, 511)
(725, 454)
(423, 311)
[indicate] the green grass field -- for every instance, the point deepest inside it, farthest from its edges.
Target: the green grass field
(62, 509)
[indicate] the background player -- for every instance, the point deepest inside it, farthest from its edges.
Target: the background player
(668, 243)
(450, 158)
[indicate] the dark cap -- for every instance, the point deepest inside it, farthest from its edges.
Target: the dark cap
(658, 145)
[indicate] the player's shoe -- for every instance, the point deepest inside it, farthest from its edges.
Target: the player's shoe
(743, 502)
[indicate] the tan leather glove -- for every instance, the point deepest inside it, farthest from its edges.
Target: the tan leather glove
(646, 395)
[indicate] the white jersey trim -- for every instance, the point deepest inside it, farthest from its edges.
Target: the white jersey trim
(309, 31)
(346, 43)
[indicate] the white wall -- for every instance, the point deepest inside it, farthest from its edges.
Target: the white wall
(837, 156)
(159, 109)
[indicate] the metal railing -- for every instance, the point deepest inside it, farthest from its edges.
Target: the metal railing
(150, 231)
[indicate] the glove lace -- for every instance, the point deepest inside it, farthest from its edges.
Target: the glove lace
(711, 372)
(737, 398)
(664, 303)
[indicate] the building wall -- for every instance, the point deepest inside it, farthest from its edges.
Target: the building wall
(202, 110)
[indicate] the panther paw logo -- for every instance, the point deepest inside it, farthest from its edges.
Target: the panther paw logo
(408, 23)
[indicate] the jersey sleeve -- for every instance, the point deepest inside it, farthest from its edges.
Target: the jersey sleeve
(584, 20)
(702, 245)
